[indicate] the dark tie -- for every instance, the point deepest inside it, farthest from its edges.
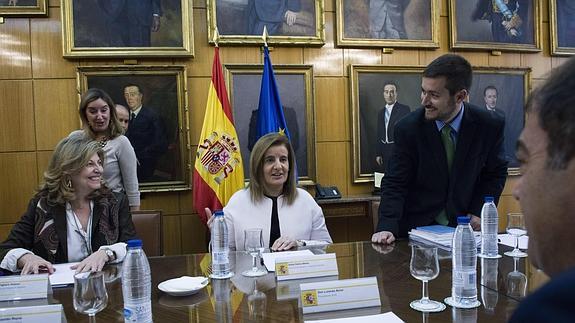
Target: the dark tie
(132, 116)
(275, 227)
(449, 146)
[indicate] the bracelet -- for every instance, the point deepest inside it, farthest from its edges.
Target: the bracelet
(301, 243)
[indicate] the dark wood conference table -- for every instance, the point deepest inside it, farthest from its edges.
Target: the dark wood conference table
(234, 300)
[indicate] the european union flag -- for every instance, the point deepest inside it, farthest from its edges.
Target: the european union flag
(270, 110)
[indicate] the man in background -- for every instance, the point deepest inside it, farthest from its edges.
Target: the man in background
(490, 98)
(448, 156)
(386, 120)
(546, 191)
(506, 18)
(146, 132)
(272, 14)
(386, 19)
(123, 114)
(129, 23)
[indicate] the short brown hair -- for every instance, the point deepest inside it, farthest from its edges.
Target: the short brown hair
(257, 157)
(93, 94)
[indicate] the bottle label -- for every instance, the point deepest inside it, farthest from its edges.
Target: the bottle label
(220, 257)
(464, 279)
(138, 312)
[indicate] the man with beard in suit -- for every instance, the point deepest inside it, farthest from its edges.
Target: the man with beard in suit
(386, 120)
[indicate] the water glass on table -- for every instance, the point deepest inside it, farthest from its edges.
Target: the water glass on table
(424, 265)
(516, 228)
(90, 295)
(253, 243)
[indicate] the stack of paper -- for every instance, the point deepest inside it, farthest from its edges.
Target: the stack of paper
(438, 235)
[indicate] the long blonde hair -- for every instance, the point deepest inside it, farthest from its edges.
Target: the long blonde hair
(257, 157)
(70, 155)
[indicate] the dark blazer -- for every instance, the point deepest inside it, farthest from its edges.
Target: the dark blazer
(397, 113)
(111, 223)
(148, 137)
(417, 185)
(270, 13)
(137, 11)
(553, 302)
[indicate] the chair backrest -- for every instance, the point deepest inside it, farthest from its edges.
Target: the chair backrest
(148, 224)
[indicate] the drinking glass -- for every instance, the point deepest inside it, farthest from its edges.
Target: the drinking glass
(253, 242)
(90, 296)
(516, 228)
(424, 265)
(516, 282)
(257, 302)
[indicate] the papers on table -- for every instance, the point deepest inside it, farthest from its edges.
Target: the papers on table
(63, 275)
(388, 317)
(509, 240)
(438, 235)
(270, 258)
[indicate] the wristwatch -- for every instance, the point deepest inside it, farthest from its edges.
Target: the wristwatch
(111, 254)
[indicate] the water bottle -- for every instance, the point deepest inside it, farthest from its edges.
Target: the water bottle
(220, 247)
(489, 225)
(136, 284)
(464, 259)
(489, 294)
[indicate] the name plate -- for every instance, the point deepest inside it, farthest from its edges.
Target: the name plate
(32, 314)
(19, 287)
(339, 295)
(306, 266)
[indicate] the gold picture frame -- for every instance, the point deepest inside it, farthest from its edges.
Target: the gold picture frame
(295, 86)
(24, 8)
(359, 26)
(164, 91)
(366, 96)
(474, 24)
(103, 29)
(238, 23)
(561, 27)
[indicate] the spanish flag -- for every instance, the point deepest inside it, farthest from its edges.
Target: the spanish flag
(218, 170)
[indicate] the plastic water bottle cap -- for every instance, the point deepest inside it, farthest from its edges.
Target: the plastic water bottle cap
(135, 243)
(219, 213)
(488, 199)
(463, 219)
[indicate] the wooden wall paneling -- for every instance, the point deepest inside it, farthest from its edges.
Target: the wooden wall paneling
(168, 202)
(329, 5)
(18, 184)
(42, 160)
(15, 49)
(172, 241)
(540, 63)
(331, 109)
(46, 44)
(326, 60)
(333, 165)
(193, 233)
(360, 56)
(475, 59)
(355, 188)
(443, 9)
(186, 201)
(400, 57)
(557, 61)
(505, 59)
(17, 111)
(54, 3)
(5, 231)
(201, 64)
(286, 55)
(55, 110)
(241, 55)
(197, 97)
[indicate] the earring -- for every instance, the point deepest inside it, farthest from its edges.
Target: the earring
(69, 183)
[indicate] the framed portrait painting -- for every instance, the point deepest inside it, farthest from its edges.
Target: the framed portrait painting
(23, 8)
(120, 28)
(295, 86)
(387, 23)
(158, 130)
(503, 92)
(288, 22)
(372, 87)
(510, 25)
(562, 27)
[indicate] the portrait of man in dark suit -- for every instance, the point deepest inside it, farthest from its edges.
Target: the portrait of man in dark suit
(387, 117)
(490, 98)
(448, 156)
(506, 18)
(146, 132)
(129, 23)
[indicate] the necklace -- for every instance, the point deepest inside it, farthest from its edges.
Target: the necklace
(87, 237)
(103, 142)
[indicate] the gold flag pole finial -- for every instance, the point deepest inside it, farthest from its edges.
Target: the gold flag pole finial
(265, 36)
(216, 37)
